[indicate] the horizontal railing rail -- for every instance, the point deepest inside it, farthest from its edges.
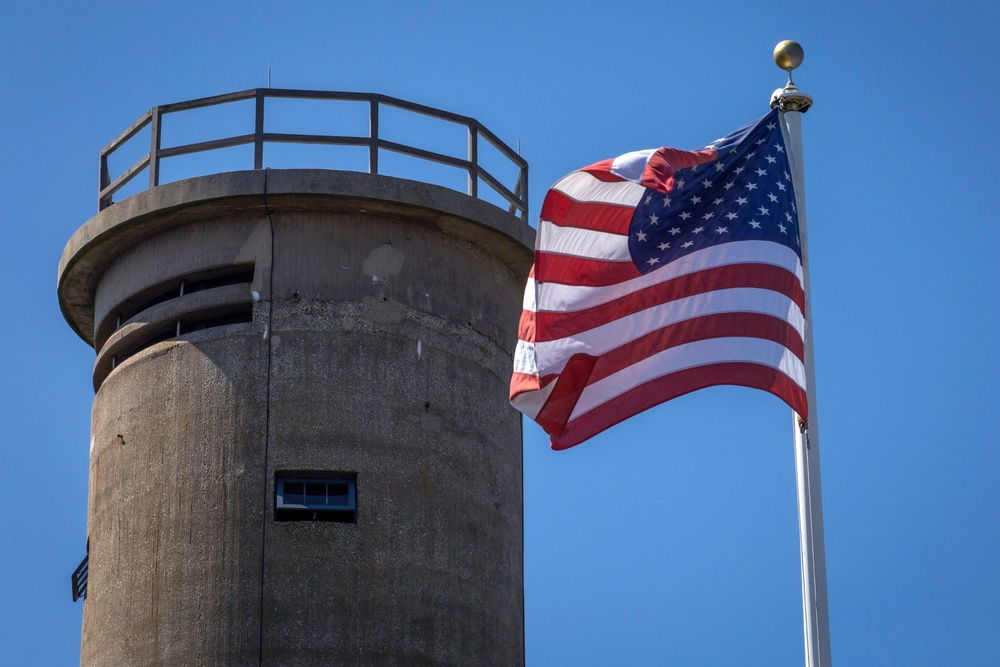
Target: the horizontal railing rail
(516, 196)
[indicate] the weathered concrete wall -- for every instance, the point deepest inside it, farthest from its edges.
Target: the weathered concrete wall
(174, 523)
(382, 331)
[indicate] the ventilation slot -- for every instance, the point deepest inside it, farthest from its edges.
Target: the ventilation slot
(240, 317)
(218, 297)
(151, 335)
(199, 281)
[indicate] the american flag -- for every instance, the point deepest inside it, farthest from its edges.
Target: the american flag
(658, 273)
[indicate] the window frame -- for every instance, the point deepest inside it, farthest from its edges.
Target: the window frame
(286, 510)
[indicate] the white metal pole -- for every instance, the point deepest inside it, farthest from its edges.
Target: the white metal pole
(815, 615)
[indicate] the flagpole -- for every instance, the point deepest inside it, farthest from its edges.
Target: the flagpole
(792, 103)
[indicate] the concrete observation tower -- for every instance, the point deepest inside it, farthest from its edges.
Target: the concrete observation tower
(301, 447)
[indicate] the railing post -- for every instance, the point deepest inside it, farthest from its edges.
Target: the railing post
(154, 147)
(105, 181)
(524, 192)
(473, 159)
(373, 136)
(258, 132)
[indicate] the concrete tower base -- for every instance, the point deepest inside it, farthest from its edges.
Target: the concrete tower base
(250, 325)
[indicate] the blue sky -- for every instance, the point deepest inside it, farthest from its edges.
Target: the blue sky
(672, 538)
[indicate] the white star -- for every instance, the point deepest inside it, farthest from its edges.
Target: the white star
(730, 216)
(696, 199)
(674, 231)
(751, 186)
(680, 183)
(707, 183)
(663, 246)
(656, 220)
(741, 200)
(666, 201)
(707, 216)
(782, 228)
(781, 186)
(771, 126)
(728, 185)
(772, 197)
(717, 201)
(739, 170)
(788, 216)
(763, 211)
(685, 215)
(721, 230)
(755, 224)
(641, 236)
(780, 148)
(770, 160)
(649, 199)
(759, 141)
(688, 244)
(719, 166)
(787, 177)
(761, 172)
(697, 230)
(652, 260)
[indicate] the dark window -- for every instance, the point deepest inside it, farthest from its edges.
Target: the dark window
(316, 498)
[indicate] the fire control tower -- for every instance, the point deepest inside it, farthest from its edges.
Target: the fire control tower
(301, 449)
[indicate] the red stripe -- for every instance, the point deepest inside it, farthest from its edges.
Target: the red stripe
(671, 386)
(662, 164)
(526, 326)
(555, 325)
(724, 325)
(568, 270)
(522, 382)
(568, 212)
(525, 382)
(560, 403)
(679, 159)
(602, 172)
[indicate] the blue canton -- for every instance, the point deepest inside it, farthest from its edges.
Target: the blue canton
(746, 194)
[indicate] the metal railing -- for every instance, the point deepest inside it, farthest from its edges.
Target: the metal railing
(517, 197)
(79, 579)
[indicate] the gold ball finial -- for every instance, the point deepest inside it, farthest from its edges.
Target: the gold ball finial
(788, 55)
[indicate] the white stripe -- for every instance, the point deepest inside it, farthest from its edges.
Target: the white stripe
(578, 242)
(551, 356)
(632, 165)
(581, 186)
(530, 290)
(556, 297)
(699, 353)
(531, 402)
(524, 358)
